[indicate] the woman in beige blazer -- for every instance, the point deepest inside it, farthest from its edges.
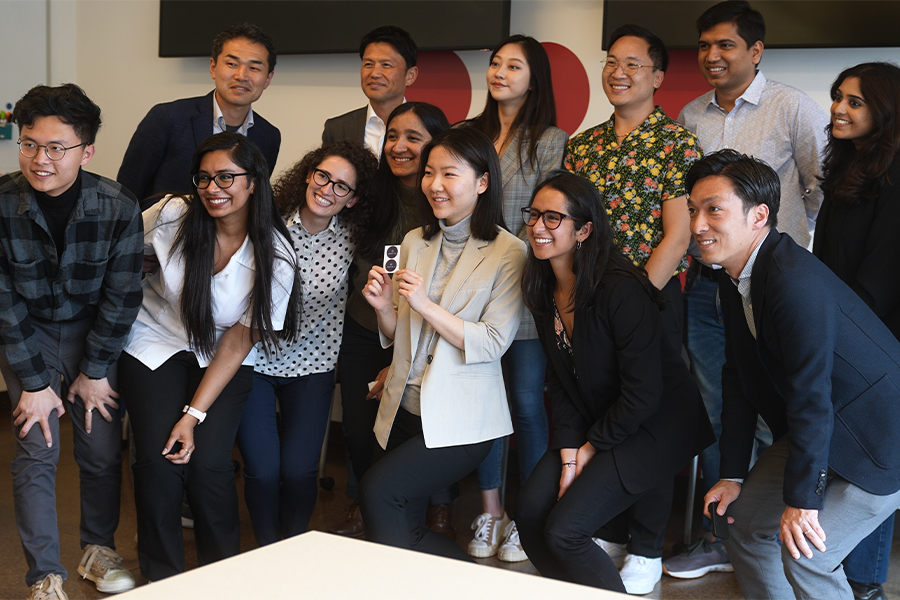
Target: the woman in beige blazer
(451, 312)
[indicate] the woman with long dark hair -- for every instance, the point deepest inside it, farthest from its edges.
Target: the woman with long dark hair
(225, 280)
(856, 235)
(627, 415)
(327, 200)
(520, 118)
(362, 360)
(451, 312)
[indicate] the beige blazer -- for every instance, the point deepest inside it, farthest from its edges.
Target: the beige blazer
(463, 399)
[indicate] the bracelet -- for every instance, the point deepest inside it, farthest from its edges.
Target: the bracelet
(194, 413)
(571, 463)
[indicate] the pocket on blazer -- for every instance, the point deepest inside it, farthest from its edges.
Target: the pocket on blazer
(872, 419)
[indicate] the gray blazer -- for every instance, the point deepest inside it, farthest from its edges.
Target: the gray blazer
(463, 399)
(348, 126)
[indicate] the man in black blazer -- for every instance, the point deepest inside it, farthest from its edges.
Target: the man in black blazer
(807, 354)
(389, 57)
(158, 158)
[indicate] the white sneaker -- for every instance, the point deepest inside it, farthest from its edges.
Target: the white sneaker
(640, 574)
(104, 567)
(488, 534)
(617, 552)
(511, 548)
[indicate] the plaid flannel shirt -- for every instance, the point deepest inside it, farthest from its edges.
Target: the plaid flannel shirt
(98, 276)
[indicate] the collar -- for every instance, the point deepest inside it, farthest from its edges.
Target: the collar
(651, 121)
(370, 113)
(743, 281)
(219, 118)
(753, 93)
(295, 220)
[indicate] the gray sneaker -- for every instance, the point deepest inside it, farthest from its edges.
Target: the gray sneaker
(104, 567)
(698, 559)
(48, 588)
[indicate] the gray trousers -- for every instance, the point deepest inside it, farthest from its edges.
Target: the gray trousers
(763, 567)
(98, 455)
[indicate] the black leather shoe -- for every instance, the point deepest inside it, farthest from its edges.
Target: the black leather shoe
(867, 591)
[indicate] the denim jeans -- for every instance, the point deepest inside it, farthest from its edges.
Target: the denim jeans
(869, 561)
(524, 369)
(281, 464)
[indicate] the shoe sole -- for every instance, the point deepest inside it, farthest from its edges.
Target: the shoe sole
(106, 587)
(640, 592)
(482, 552)
(512, 555)
(696, 573)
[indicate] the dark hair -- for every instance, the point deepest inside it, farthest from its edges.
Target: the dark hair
(476, 150)
(248, 31)
(750, 23)
(597, 255)
(196, 242)
(657, 51)
(398, 38)
(850, 175)
(539, 111)
(752, 180)
(290, 188)
(388, 223)
(68, 102)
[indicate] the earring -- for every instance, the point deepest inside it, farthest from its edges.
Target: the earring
(578, 245)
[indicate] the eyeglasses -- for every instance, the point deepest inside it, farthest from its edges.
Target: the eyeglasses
(552, 218)
(339, 188)
(223, 180)
(629, 67)
(54, 151)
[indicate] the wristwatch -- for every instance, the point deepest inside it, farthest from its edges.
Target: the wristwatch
(194, 413)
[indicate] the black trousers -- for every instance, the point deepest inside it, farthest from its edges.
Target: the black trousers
(155, 403)
(556, 534)
(394, 493)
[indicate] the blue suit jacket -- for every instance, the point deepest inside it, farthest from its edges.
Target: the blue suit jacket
(823, 370)
(158, 158)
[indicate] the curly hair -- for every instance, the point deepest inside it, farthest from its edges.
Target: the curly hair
(290, 188)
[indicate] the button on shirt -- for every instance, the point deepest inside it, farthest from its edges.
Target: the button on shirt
(324, 259)
(158, 333)
(219, 120)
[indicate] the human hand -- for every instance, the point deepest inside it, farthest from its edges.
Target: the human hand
(411, 286)
(798, 526)
(724, 492)
(94, 394)
(378, 291)
(583, 457)
(378, 385)
(182, 432)
(35, 407)
(568, 457)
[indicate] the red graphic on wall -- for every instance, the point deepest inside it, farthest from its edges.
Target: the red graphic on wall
(443, 81)
(571, 88)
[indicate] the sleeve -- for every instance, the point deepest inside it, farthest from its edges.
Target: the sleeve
(881, 292)
(808, 140)
(20, 349)
(121, 293)
(635, 328)
(685, 153)
(145, 152)
(489, 338)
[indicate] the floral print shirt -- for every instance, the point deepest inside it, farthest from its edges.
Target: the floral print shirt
(636, 176)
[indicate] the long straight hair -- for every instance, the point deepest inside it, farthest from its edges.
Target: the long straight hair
(476, 150)
(195, 241)
(598, 253)
(850, 175)
(539, 111)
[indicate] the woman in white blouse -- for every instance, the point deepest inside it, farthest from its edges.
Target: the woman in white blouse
(225, 280)
(327, 199)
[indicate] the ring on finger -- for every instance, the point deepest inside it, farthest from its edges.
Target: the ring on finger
(807, 531)
(90, 410)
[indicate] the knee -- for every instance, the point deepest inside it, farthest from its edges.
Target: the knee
(561, 534)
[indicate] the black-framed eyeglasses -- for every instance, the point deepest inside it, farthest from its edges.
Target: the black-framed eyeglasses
(629, 67)
(54, 151)
(223, 180)
(552, 218)
(322, 179)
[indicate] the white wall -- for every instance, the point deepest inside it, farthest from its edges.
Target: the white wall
(111, 51)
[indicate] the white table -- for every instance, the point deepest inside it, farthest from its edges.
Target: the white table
(319, 565)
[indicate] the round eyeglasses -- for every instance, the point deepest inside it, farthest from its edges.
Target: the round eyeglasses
(223, 180)
(339, 188)
(54, 151)
(629, 67)
(552, 219)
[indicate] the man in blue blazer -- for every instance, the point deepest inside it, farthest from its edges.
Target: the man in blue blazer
(805, 353)
(158, 158)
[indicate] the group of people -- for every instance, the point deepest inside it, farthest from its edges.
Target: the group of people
(525, 259)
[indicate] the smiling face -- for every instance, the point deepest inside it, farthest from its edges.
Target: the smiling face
(451, 186)
(851, 118)
(556, 245)
(403, 143)
(636, 90)
(52, 177)
(383, 74)
(509, 76)
(231, 204)
(241, 73)
(725, 233)
(321, 201)
(726, 61)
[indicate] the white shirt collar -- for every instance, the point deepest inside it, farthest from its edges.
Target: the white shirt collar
(219, 119)
(752, 94)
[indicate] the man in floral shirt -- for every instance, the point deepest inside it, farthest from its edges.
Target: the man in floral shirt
(638, 160)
